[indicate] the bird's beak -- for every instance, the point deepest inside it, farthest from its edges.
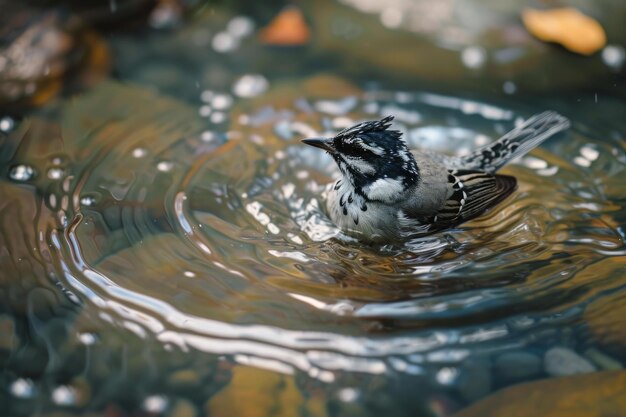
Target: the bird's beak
(322, 143)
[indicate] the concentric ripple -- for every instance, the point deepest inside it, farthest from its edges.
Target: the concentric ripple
(218, 242)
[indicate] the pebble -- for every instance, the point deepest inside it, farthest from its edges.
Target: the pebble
(183, 408)
(475, 380)
(517, 365)
(8, 338)
(185, 377)
(603, 360)
(560, 361)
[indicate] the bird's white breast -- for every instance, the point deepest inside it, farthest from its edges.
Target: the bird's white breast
(385, 189)
(365, 220)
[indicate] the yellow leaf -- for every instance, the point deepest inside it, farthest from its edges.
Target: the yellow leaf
(567, 26)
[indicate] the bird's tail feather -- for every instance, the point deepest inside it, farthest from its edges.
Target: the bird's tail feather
(517, 142)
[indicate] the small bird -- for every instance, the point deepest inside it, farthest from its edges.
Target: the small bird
(387, 193)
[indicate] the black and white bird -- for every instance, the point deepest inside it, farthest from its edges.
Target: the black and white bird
(387, 193)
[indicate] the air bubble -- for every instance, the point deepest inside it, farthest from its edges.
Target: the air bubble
(6, 124)
(208, 136)
(473, 57)
(139, 152)
(240, 26)
(56, 173)
(64, 395)
(250, 85)
(218, 117)
(509, 87)
(22, 388)
(447, 375)
(155, 404)
(221, 101)
(348, 395)
(165, 166)
(224, 42)
(206, 96)
(87, 339)
(21, 173)
(205, 111)
(87, 201)
(614, 56)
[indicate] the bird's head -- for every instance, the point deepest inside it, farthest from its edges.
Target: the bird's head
(373, 158)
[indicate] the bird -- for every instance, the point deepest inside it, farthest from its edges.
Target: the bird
(387, 193)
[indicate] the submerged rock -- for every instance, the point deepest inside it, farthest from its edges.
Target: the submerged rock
(256, 392)
(517, 365)
(102, 13)
(606, 317)
(560, 361)
(595, 394)
(43, 53)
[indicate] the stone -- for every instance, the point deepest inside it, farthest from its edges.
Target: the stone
(183, 408)
(45, 52)
(8, 339)
(255, 392)
(560, 361)
(185, 377)
(517, 365)
(590, 395)
(475, 379)
(606, 316)
(602, 360)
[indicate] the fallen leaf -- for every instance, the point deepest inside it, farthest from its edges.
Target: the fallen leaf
(288, 28)
(567, 26)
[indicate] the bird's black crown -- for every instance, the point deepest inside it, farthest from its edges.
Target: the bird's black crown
(372, 151)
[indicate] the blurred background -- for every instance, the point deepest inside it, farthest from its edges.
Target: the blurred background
(163, 244)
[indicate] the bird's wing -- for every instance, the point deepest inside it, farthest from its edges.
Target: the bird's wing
(472, 192)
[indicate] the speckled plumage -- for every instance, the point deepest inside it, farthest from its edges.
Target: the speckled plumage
(387, 193)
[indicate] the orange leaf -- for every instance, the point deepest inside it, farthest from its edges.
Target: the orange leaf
(287, 29)
(567, 26)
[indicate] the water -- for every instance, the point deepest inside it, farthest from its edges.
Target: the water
(156, 257)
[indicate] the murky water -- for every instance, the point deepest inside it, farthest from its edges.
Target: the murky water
(154, 250)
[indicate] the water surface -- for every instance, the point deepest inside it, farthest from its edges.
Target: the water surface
(153, 252)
